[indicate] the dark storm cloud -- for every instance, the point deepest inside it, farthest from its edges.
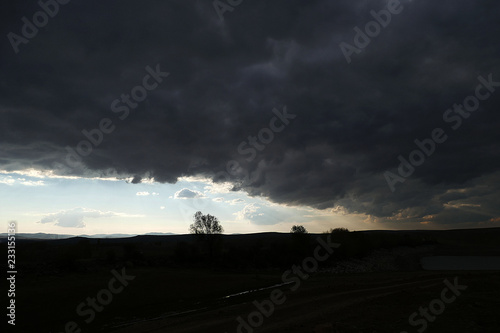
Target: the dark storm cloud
(353, 120)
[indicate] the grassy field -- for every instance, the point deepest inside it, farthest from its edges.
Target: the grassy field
(176, 288)
(48, 303)
(160, 300)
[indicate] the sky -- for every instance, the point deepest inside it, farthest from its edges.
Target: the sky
(129, 117)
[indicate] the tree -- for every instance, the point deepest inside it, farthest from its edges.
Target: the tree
(205, 225)
(300, 241)
(208, 229)
(298, 229)
(338, 231)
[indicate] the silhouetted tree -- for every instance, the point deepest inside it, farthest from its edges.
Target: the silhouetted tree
(337, 231)
(298, 229)
(205, 225)
(208, 230)
(300, 241)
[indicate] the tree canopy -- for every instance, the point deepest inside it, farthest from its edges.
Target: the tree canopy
(205, 225)
(298, 229)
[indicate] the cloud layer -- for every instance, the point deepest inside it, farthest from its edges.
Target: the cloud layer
(352, 120)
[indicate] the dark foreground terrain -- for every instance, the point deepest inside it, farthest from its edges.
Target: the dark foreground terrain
(378, 302)
(373, 282)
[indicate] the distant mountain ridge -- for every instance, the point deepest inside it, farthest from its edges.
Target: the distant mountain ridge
(41, 235)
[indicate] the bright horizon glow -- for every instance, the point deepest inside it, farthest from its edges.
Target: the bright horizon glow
(87, 206)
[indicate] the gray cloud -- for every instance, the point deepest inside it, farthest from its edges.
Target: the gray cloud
(225, 78)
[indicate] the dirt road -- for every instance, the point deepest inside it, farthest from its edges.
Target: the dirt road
(326, 303)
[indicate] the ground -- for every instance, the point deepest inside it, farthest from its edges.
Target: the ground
(168, 300)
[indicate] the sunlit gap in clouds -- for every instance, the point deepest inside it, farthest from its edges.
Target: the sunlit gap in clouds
(83, 206)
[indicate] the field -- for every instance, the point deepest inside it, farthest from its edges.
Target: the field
(158, 293)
